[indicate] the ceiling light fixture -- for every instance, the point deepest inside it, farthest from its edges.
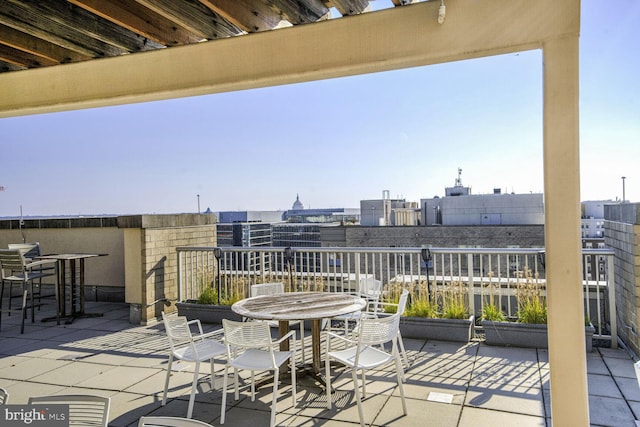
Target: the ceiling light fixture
(442, 10)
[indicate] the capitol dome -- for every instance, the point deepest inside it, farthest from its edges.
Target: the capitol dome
(297, 205)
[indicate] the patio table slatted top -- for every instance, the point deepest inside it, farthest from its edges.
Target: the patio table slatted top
(299, 306)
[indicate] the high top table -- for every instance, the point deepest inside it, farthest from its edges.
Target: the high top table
(76, 270)
(313, 306)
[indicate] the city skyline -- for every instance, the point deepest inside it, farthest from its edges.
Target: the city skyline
(336, 142)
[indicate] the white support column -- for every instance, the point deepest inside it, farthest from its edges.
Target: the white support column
(567, 357)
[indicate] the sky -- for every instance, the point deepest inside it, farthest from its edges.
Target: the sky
(336, 142)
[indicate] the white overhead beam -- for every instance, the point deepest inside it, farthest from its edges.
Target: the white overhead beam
(378, 41)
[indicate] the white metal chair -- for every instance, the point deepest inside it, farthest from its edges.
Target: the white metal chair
(4, 396)
(84, 410)
(170, 422)
(364, 353)
(15, 270)
(190, 347)
(380, 309)
(249, 346)
(272, 289)
(370, 290)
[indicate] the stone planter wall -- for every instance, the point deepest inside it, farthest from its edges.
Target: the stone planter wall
(460, 330)
(513, 334)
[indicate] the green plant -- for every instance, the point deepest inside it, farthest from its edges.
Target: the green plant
(532, 304)
(208, 296)
(230, 291)
(491, 308)
(447, 301)
(454, 300)
(422, 307)
(493, 313)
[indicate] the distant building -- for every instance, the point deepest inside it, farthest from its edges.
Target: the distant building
(296, 227)
(460, 207)
(592, 222)
(388, 211)
(245, 234)
(298, 214)
(228, 217)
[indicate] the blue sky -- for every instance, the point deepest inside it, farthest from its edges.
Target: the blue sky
(336, 142)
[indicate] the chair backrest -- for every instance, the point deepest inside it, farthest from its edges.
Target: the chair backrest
(4, 396)
(370, 288)
(177, 330)
(170, 422)
(379, 330)
(402, 302)
(84, 409)
(28, 250)
(239, 335)
(10, 260)
(267, 289)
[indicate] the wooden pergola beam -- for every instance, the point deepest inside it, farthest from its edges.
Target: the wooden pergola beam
(379, 41)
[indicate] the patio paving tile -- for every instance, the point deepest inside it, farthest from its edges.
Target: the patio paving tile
(603, 385)
(473, 417)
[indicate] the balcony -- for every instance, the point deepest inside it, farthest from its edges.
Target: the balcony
(448, 384)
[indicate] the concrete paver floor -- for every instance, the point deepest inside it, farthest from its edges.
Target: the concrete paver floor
(447, 384)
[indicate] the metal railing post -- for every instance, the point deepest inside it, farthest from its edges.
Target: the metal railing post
(470, 282)
(612, 301)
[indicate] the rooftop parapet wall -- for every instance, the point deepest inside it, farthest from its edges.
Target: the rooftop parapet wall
(151, 258)
(622, 233)
(141, 266)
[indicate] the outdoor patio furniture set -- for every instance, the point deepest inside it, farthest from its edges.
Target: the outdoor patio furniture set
(248, 344)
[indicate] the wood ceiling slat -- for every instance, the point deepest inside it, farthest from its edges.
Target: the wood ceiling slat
(35, 46)
(76, 30)
(23, 17)
(137, 18)
(78, 19)
(5, 66)
(193, 16)
(22, 58)
(301, 11)
(250, 16)
(351, 7)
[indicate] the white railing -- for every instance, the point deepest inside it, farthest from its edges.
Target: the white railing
(483, 272)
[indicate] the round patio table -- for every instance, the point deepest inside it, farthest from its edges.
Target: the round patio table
(313, 306)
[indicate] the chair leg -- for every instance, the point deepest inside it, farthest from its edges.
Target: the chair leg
(236, 394)
(405, 359)
(302, 341)
(364, 385)
(33, 315)
(224, 394)
(327, 375)
(293, 379)
(356, 390)
(253, 386)
(23, 314)
(213, 385)
(166, 381)
(400, 378)
(276, 376)
(194, 385)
